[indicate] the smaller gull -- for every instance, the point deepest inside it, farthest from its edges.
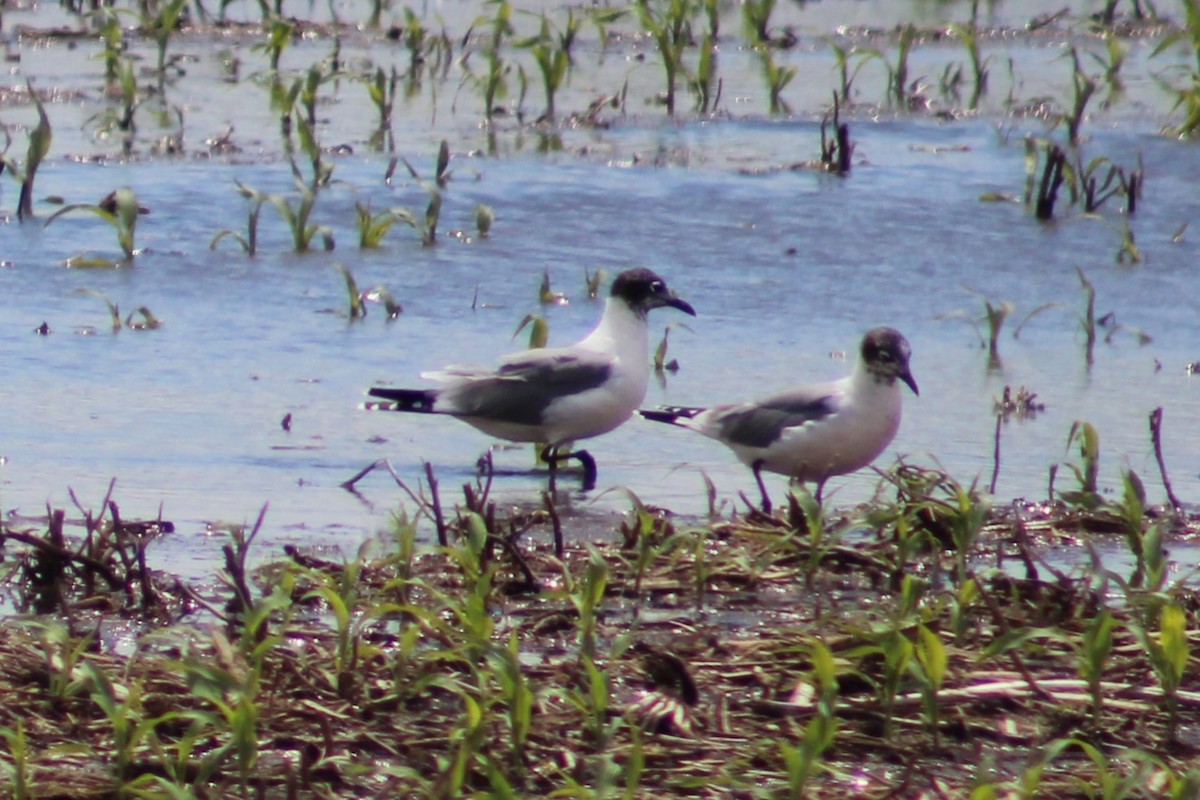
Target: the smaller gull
(813, 432)
(555, 395)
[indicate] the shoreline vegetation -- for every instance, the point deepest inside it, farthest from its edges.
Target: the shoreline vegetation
(926, 644)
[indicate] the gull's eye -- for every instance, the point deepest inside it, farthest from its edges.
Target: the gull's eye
(656, 287)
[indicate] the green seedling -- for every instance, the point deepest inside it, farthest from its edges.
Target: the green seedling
(932, 663)
(1128, 251)
(492, 83)
(539, 330)
(668, 23)
(1084, 436)
(777, 79)
(1051, 180)
(1168, 653)
(803, 760)
(114, 313)
(249, 242)
(1187, 92)
(846, 75)
(1088, 320)
(969, 36)
(161, 27)
(1084, 87)
(39, 146)
(357, 308)
(705, 82)
(382, 91)
(546, 295)
(898, 83)
(517, 696)
(1111, 62)
(372, 227)
(1093, 655)
(18, 763)
(278, 38)
(756, 18)
(551, 51)
(119, 209)
(297, 213)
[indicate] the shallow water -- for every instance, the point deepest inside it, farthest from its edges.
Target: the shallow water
(786, 268)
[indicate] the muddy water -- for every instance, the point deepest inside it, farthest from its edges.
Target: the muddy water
(786, 267)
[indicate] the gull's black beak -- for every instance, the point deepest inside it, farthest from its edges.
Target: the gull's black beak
(907, 377)
(674, 301)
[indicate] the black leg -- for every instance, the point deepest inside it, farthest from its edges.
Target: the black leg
(551, 456)
(589, 469)
(762, 487)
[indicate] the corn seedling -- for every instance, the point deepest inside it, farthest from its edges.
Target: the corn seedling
(932, 662)
(17, 764)
(114, 313)
(1128, 251)
(551, 50)
(372, 227)
(756, 18)
(249, 242)
(777, 79)
(161, 26)
(518, 698)
(1168, 653)
(1084, 436)
(1093, 654)
(1088, 321)
(705, 82)
(846, 75)
(492, 83)
(969, 36)
(1111, 62)
(1187, 93)
(297, 213)
(119, 209)
(39, 146)
(802, 760)
(546, 294)
(898, 83)
(1084, 87)
(357, 308)
(278, 38)
(668, 23)
(64, 654)
(382, 91)
(539, 330)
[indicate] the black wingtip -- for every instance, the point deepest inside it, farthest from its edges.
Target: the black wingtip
(416, 400)
(670, 415)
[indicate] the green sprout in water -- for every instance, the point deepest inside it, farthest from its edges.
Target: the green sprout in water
(669, 23)
(39, 146)
(119, 209)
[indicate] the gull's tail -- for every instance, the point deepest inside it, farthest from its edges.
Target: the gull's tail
(672, 415)
(418, 401)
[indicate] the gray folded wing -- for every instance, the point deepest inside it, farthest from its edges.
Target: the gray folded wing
(761, 424)
(526, 384)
